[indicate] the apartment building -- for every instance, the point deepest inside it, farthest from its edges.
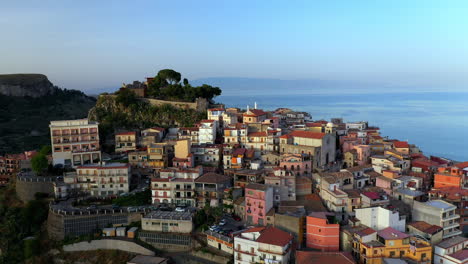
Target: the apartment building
(262, 244)
(75, 142)
(160, 154)
(372, 248)
(207, 131)
(323, 231)
(99, 180)
(440, 213)
(379, 218)
(283, 184)
(207, 154)
(452, 251)
(210, 188)
(125, 141)
(296, 164)
(258, 202)
(235, 134)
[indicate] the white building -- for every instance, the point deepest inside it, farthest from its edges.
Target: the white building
(379, 218)
(438, 212)
(451, 251)
(356, 125)
(219, 114)
(262, 245)
(99, 180)
(207, 131)
(75, 142)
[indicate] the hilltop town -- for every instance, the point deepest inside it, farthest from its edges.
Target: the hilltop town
(230, 185)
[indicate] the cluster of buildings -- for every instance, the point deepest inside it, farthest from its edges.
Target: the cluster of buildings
(308, 191)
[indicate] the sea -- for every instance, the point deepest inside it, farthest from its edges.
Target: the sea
(437, 122)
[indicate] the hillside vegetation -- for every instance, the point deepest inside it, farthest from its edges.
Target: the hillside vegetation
(24, 120)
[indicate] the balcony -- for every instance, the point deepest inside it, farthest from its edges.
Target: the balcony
(451, 217)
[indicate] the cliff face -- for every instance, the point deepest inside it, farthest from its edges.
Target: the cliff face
(28, 102)
(21, 85)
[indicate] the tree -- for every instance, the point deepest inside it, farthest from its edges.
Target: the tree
(186, 83)
(46, 150)
(171, 76)
(39, 163)
(126, 97)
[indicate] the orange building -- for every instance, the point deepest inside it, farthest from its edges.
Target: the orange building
(321, 233)
(448, 177)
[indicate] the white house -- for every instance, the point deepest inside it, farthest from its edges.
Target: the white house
(379, 218)
(262, 245)
(207, 131)
(451, 251)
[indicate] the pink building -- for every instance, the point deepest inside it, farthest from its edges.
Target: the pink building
(384, 183)
(363, 154)
(258, 202)
(296, 164)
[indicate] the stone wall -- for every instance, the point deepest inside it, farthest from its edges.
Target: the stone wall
(211, 257)
(200, 104)
(27, 187)
(111, 244)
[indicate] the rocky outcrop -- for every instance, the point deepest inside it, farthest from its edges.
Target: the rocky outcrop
(21, 85)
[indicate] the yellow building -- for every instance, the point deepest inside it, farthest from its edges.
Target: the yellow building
(160, 154)
(370, 248)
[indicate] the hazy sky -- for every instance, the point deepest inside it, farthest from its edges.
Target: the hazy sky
(97, 44)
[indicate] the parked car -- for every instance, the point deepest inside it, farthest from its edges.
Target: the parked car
(92, 207)
(222, 222)
(236, 217)
(180, 209)
(132, 209)
(212, 228)
(115, 206)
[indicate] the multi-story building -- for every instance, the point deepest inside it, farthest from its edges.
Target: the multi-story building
(207, 154)
(235, 134)
(163, 221)
(138, 158)
(391, 243)
(258, 202)
(233, 158)
(262, 244)
(207, 131)
(331, 186)
(222, 116)
(175, 186)
(452, 251)
(256, 141)
(387, 162)
(296, 164)
(75, 142)
(322, 232)
(99, 180)
(283, 184)
(449, 177)
(432, 233)
(210, 188)
(457, 197)
(311, 143)
(125, 141)
(379, 218)
(243, 177)
(160, 154)
(440, 213)
(191, 133)
(254, 116)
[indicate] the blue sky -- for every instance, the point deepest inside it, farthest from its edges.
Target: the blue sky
(99, 44)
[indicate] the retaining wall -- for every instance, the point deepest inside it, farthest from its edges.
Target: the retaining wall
(111, 244)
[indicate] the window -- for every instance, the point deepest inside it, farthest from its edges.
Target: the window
(392, 254)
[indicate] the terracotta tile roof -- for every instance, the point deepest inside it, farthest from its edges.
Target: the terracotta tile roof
(425, 227)
(460, 255)
(313, 124)
(213, 178)
(255, 112)
(390, 233)
(216, 109)
(274, 236)
(401, 144)
(311, 257)
(372, 195)
(126, 133)
(257, 134)
(254, 229)
(462, 165)
(365, 232)
(307, 134)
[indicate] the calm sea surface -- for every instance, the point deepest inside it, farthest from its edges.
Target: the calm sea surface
(436, 122)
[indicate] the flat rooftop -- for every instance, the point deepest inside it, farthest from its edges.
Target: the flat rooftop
(440, 204)
(164, 215)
